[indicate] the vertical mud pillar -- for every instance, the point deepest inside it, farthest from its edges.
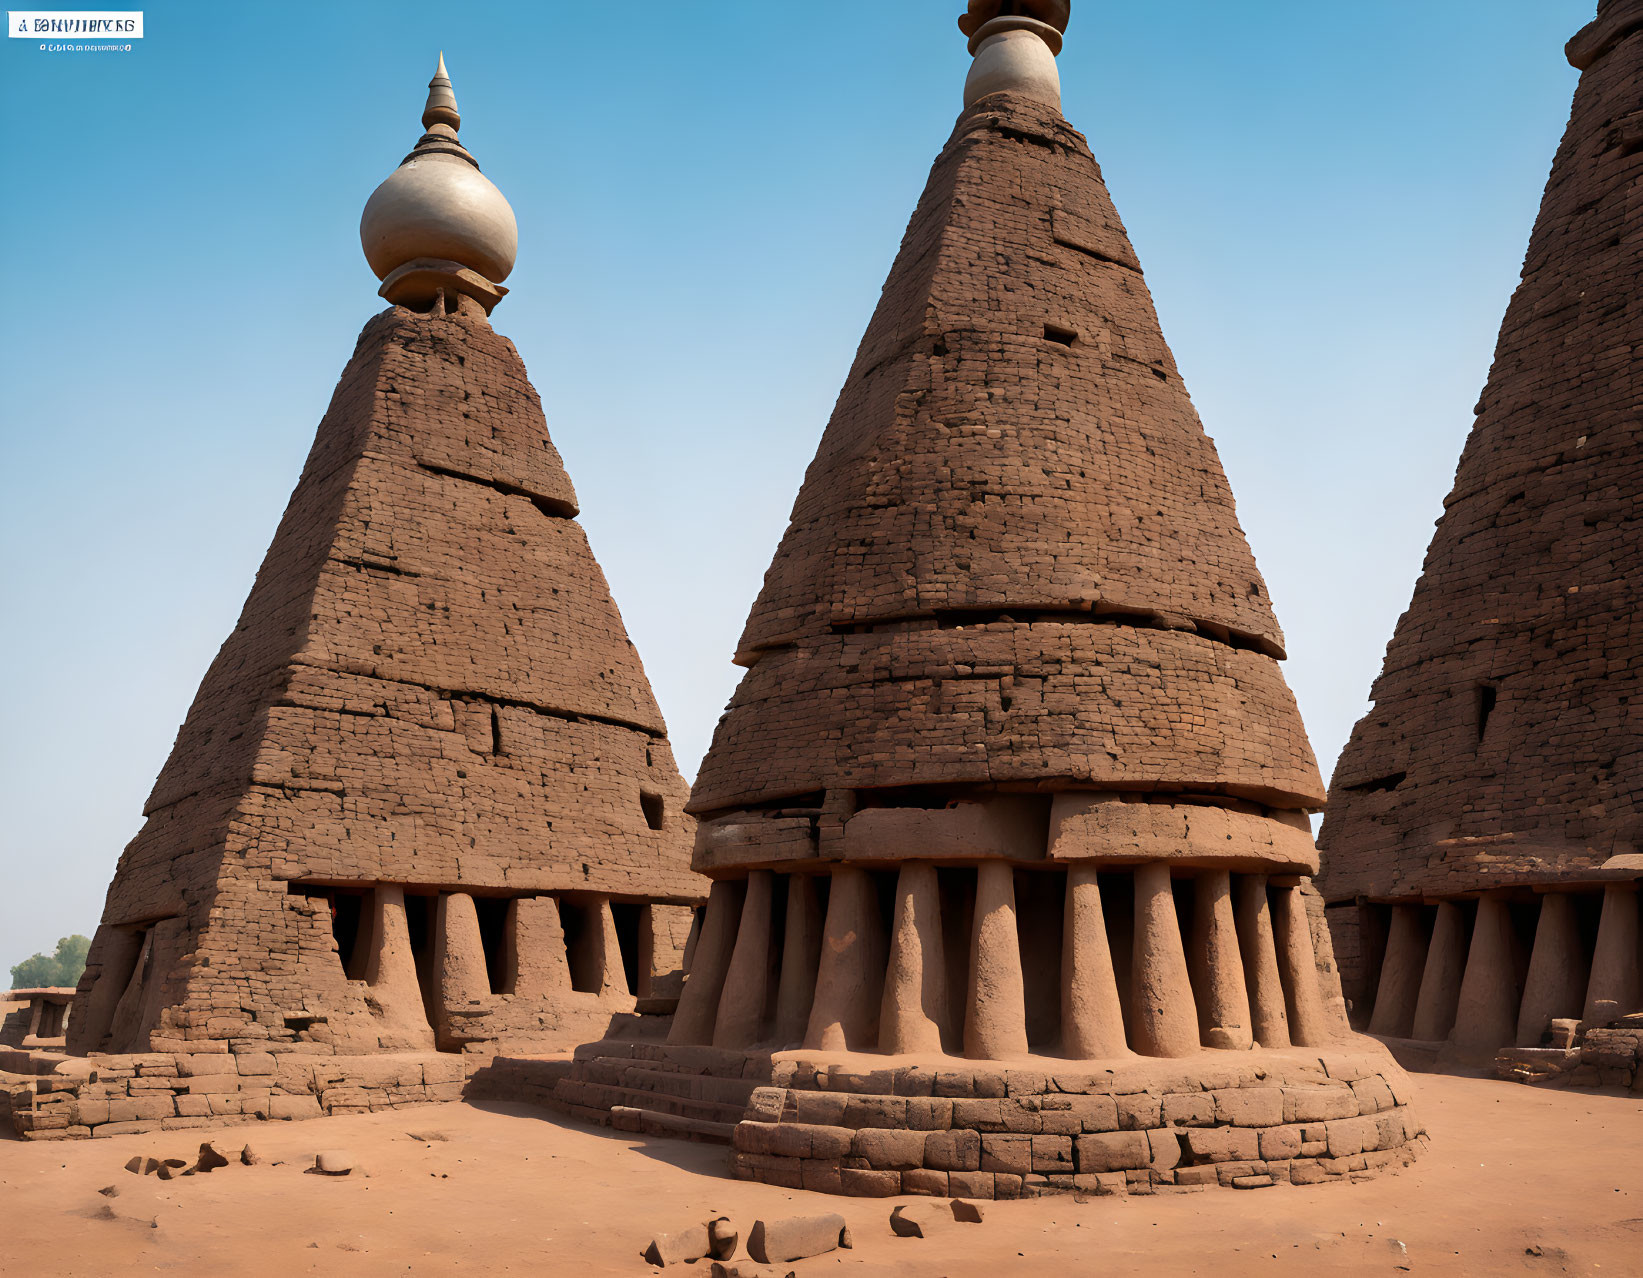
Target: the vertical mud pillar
(1164, 1015)
(1487, 1008)
(1440, 980)
(1399, 986)
(914, 1007)
(801, 957)
(1268, 1011)
(459, 960)
(534, 945)
(995, 1008)
(390, 973)
(850, 977)
(699, 1004)
(1216, 967)
(1558, 970)
(739, 1022)
(1092, 1018)
(1309, 1020)
(1615, 984)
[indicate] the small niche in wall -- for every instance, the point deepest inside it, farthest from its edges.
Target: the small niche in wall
(651, 804)
(1487, 694)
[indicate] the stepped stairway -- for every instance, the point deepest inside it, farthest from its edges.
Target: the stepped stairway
(691, 1093)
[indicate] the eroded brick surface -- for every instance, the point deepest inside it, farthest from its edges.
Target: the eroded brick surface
(429, 686)
(1503, 737)
(1015, 555)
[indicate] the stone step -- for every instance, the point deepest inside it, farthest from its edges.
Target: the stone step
(694, 1087)
(610, 1096)
(651, 1122)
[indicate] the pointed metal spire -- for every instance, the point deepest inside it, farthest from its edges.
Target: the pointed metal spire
(441, 108)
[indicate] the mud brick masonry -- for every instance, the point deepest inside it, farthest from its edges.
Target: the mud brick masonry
(424, 800)
(1483, 837)
(1013, 783)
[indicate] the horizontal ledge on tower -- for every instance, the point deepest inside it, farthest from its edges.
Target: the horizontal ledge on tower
(1020, 828)
(1603, 33)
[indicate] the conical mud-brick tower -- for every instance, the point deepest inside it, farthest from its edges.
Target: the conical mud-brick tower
(1013, 783)
(1486, 819)
(424, 796)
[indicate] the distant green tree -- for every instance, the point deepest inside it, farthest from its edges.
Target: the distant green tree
(60, 969)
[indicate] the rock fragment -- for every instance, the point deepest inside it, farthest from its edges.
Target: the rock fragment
(919, 1220)
(775, 1242)
(680, 1247)
(334, 1162)
(210, 1158)
(722, 1238)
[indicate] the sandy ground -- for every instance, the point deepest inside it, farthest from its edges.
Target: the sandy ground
(1517, 1181)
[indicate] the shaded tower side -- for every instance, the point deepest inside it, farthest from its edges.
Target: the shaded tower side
(1503, 755)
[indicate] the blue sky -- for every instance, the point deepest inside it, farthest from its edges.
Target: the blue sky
(1331, 203)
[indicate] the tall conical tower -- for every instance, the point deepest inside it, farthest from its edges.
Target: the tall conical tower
(1488, 810)
(424, 795)
(1013, 772)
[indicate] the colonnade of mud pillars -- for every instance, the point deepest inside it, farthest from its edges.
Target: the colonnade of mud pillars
(841, 979)
(1435, 985)
(456, 979)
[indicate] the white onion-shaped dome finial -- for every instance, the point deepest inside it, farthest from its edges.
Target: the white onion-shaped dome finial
(437, 207)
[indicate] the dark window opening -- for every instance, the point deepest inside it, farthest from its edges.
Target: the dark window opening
(957, 888)
(626, 917)
(1061, 336)
(1487, 694)
(1118, 912)
(651, 805)
(582, 945)
(350, 923)
(1389, 782)
(51, 1020)
(1040, 909)
(348, 927)
(419, 926)
(1523, 918)
(492, 912)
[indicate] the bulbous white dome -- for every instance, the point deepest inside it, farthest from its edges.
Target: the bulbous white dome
(439, 205)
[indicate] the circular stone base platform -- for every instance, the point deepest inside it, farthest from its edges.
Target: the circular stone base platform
(880, 1126)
